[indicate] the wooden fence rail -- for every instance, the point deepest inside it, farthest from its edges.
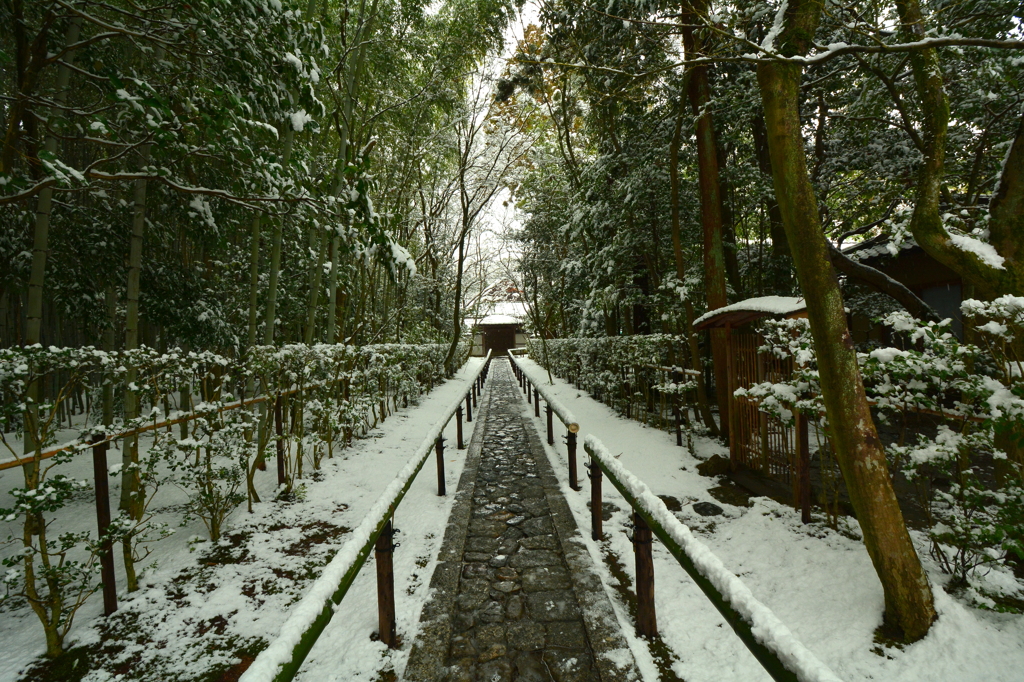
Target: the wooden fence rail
(774, 646)
(280, 661)
(526, 380)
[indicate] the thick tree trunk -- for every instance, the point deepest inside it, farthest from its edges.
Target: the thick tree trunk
(1006, 226)
(711, 210)
(677, 249)
(926, 222)
(909, 609)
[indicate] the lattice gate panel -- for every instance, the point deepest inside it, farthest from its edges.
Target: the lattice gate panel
(760, 441)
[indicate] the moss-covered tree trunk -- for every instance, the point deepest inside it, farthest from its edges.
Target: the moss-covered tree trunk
(909, 609)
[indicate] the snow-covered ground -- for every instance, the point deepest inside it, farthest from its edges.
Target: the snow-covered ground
(203, 608)
(820, 583)
(199, 611)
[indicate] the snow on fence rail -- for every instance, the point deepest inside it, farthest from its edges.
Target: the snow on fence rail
(526, 379)
(772, 643)
(559, 409)
(280, 661)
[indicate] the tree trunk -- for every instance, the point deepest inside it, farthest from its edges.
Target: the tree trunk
(457, 314)
(332, 292)
(1007, 205)
(710, 208)
(109, 343)
(250, 384)
(780, 276)
(130, 504)
(314, 283)
(909, 609)
(677, 249)
(41, 248)
(254, 284)
(926, 222)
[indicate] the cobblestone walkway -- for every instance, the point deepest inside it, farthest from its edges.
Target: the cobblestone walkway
(516, 616)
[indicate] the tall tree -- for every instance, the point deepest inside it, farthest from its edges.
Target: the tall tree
(909, 608)
(711, 200)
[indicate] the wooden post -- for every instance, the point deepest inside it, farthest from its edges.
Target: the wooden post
(279, 428)
(551, 432)
(762, 417)
(679, 421)
(384, 553)
(536, 402)
(596, 520)
(99, 471)
(439, 451)
(469, 408)
(730, 426)
(479, 388)
(804, 455)
(570, 444)
(528, 393)
(646, 619)
(458, 427)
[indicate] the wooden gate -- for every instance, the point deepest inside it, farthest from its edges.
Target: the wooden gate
(758, 440)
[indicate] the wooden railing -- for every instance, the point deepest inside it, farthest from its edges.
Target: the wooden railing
(280, 661)
(768, 639)
(774, 646)
(528, 383)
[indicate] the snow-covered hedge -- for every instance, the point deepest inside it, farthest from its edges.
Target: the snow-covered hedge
(214, 430)
(619, 370)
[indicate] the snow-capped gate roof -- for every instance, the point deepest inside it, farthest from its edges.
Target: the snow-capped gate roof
(741, 312)
(498, 319)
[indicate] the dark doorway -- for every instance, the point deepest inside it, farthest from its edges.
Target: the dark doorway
(499, 338)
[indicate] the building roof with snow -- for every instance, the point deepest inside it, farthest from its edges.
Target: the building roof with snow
(881, 245)
(492, 320)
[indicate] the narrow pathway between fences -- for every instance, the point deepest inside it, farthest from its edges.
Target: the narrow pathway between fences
(526, 604)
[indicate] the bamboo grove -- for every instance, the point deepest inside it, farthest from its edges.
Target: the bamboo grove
(215, 216)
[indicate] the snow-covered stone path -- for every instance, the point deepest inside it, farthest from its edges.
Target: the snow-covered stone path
(517, 614)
